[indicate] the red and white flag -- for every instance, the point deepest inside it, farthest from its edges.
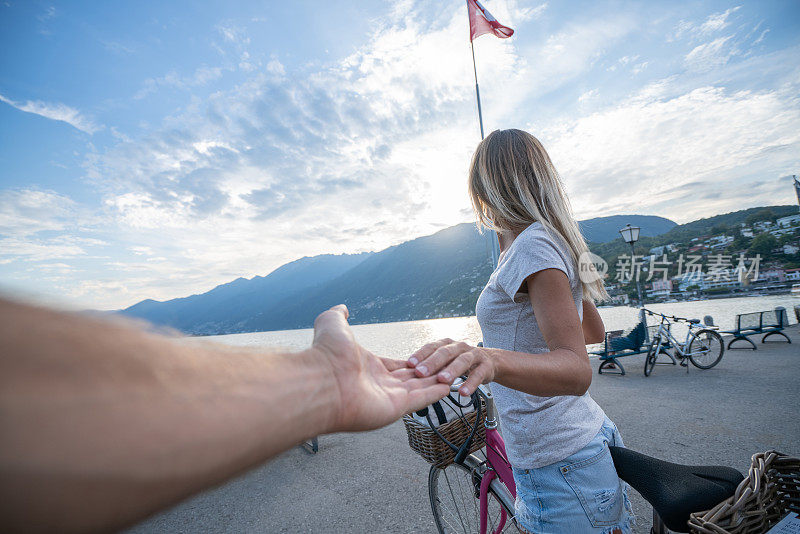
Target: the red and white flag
(481, 21)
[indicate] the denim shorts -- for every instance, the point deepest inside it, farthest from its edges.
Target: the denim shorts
(580, 494)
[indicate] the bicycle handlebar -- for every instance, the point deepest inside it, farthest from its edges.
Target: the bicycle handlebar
(457, 383)
(663, 316)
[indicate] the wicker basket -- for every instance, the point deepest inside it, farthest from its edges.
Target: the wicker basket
(769, 491)
(427, 444)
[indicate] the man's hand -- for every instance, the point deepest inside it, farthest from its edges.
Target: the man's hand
(373, 391)
(446, 360)
(102, 423)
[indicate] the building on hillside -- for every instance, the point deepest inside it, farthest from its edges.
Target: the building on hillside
(722, 278)
(792, 275)
(747, 231)
(621, 300)
(786, 222)
(663, 249)
(720, 241)
(687, 280)
(790, 249)
(660, 289)
(772, 275)
(762, 226)
(778, 231)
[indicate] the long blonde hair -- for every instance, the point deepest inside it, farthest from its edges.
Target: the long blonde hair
(513, 183)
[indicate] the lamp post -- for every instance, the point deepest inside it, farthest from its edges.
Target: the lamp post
(631, 235)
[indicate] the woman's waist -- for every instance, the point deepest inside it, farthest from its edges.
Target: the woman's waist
(516, 405)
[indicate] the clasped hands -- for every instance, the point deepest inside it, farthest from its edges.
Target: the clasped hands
(374, 391)
(447, 359)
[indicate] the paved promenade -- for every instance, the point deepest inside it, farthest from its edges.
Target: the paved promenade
(372, 482)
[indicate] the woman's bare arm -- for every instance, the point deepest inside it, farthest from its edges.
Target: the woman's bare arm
(594, 331)
(102, 424)
(565, 370)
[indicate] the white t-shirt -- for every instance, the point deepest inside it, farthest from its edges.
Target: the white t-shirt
(538, 431)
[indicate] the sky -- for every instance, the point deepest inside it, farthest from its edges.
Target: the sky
(157, 149)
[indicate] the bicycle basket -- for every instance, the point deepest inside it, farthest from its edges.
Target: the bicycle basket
(770, 490)
(427, 444)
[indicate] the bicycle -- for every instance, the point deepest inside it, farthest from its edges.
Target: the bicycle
(453, 489)
(703, 345)
(476, 492)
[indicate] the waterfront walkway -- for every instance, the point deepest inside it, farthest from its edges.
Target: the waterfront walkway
(372, 482)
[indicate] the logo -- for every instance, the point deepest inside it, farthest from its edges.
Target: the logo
(591, 267)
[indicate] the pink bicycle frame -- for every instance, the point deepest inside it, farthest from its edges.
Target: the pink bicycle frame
(497, 463)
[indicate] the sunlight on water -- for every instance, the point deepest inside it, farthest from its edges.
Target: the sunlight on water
(400, 340)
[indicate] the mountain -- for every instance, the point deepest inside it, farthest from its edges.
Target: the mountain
(440, 275)
(437, 275)
(227, 307)
(720, 222)
(602, 229)
(683, 233)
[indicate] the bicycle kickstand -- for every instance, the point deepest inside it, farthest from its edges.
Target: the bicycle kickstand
(658, 525)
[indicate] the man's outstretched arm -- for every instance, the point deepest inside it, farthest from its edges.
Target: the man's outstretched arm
(102, 424)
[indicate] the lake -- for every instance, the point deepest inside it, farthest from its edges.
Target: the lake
(399, 340)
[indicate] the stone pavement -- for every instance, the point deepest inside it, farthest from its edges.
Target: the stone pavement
(372, 482)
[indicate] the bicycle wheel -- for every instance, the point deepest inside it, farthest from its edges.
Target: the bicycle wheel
(705, 349)
(652, 356)
(454, 492)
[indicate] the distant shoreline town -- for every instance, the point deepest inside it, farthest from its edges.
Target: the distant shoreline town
(758, 256)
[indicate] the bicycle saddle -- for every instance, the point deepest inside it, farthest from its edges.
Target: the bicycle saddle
(675, 490)
(694, 321)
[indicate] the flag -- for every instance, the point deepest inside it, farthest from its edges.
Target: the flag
(481, 21)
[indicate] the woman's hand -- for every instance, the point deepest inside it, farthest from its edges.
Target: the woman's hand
(448, 359)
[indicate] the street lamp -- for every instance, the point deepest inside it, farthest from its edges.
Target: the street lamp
(631, 235)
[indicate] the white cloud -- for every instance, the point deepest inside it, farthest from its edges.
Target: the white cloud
(33, 249)
(717, 21)
(276, 67)
(710, 55)
(29, 211)
(202, 76)
(761, 37)
(233, 33)
(573, 51)
(588, 95)
(56, 112)
(530, 13)
(712, 24)
(698, 150)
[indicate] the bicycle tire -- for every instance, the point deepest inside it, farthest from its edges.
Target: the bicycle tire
(652, 356)
(454, 492)
(710, 349)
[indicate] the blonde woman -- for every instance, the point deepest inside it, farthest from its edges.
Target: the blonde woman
(536, 317)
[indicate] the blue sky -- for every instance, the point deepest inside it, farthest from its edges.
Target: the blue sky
(156, 149)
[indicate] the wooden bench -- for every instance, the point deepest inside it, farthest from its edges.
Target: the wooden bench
(608, 356)
(764, 322)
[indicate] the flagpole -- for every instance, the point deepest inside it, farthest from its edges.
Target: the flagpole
(477, 90)
(496, 240)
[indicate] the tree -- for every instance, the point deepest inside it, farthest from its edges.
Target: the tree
(740, 242)
(763, 244)
(719, 228)
(761, 215)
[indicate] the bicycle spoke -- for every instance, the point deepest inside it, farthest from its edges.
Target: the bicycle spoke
(455, 501)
